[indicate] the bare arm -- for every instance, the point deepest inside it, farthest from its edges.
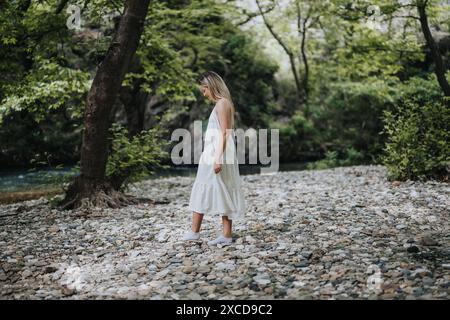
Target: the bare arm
(223, 108)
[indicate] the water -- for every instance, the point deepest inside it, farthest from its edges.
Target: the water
(23, 180)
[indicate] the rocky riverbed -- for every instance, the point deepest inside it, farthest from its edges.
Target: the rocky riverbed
(343, 233)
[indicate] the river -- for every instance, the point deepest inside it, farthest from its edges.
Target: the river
(33, 179)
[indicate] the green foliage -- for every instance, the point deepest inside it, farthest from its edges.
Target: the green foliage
(330, 161)
(418, 136)
(250, 78)
(137, 157)
(357, 74)
(296, 138)
(419, 89)
(47, 87)
(351, 157)
(349, 117)
(25, 142)
(41, 88)
(163, 71)
(355, 48)
(355, 71)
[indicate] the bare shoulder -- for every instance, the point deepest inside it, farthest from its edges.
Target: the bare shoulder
(223, 105)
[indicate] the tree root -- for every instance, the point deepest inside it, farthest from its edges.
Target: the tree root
(83, 194)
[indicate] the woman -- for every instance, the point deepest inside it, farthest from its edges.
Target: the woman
(217, 187)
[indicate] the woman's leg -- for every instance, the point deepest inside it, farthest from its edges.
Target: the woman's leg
(196, 221)
(227, 224)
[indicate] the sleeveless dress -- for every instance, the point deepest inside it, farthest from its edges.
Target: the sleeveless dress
(219, 193)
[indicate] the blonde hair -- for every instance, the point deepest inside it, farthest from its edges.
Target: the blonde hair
(218, 89)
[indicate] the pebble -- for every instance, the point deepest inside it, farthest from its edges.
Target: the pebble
(412, 249)
(335, 232)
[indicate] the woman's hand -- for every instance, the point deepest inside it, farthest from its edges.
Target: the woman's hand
(217, 167)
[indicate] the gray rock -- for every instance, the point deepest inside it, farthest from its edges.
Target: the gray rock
(413, 249)
(333, 225)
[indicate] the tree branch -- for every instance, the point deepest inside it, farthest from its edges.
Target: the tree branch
(61, 5)
(285, 48)
(439, 63)
(252, 15)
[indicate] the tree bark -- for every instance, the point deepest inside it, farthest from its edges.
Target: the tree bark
(306, 65)
(431, 43)
(61, 5)
(92, 187)
(302, 32)
(288, 52)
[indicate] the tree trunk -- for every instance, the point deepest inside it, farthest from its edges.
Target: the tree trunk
(92, 187)
(61, 5)
(439, 63)
(305, 62)
(133, 101)
(302, 32)
(297, 81)
(288, 52)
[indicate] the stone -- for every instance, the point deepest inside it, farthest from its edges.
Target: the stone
(262, 279)
(133, 276)
(203, 269)
(428, 241)
(188, 269)
(194, 296)
(306, 254)
(421, 273)
(334, 227)
(26, 273)
(224, 266)
(50, 269)
(412, 249)
(68, 291)
(236, 292)
(187, 262)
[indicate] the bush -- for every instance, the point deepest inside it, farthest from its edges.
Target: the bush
(352, 157)
(348, 119)
(296, 138)
(418, 135)
(137, 157)
(329, 161)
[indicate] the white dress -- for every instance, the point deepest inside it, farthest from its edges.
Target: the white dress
(219, 193)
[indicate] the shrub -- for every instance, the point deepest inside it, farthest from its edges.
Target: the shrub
(331, 160)
(348, 118)
(417, 146)
(135, 157)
